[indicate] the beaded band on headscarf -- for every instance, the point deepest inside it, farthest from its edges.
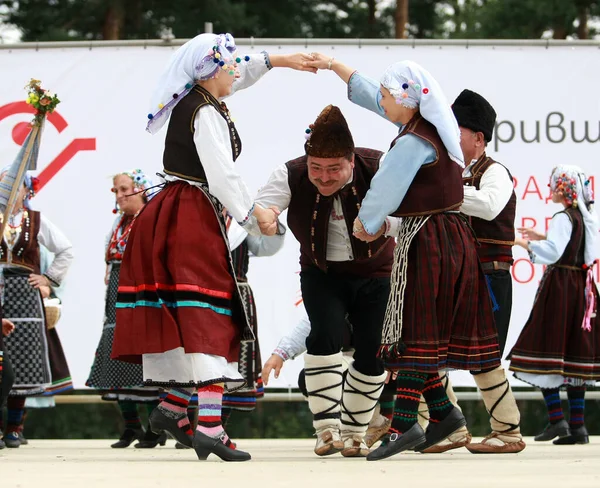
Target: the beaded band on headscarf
(201, 58)
(413, 86)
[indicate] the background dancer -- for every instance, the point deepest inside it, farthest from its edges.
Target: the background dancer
(559, 347)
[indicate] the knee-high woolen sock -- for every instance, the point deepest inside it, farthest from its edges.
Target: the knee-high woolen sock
(15, 411)
(437, 400)
(210, 401)
(409, 386)
(175, 404)
(130, 414)
(552, 399)
(386, 400)
(576, 395)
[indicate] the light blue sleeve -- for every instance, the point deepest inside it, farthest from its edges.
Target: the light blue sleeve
(364, 92)
(392, 180)
(552, 248)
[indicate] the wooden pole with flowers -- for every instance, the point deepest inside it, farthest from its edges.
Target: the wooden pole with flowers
(11, 181)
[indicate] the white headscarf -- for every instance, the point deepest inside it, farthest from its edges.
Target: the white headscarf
(580, 190)
(195, 60)
(413, 86)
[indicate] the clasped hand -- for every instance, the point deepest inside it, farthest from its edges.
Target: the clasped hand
(360, 233)
(267, 219)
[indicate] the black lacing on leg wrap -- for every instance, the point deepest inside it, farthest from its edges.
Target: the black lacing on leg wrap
(325, 414)
(348, 388)
(491, 410)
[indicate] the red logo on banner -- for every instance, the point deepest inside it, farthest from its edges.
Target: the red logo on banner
(20, 131)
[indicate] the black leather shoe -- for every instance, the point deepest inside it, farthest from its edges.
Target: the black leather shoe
(395, 443)
(11, 440)
(23, 440)
(151, 440)
(559, 429)
(127, 438)
(159, 422)
(576, 436)
(204, 445)
(2, 445)
(437, 432)
(179, 445)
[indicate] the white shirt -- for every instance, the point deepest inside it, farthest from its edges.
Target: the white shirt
(213, 143)
(55, 241)
(495, 189)
(277, 193)
(552, 248)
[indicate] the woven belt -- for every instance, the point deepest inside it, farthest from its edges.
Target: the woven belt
(496, 265)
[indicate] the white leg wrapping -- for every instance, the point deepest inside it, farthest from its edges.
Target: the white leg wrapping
(501, 405)
(361, 393)
(324, 381)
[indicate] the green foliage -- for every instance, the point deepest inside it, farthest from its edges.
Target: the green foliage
(57, 20)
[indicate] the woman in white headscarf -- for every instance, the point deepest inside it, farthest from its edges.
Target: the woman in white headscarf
(179, 309)
(560, 343)
(439, 313)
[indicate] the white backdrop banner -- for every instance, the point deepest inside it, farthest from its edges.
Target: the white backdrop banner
(548, 109)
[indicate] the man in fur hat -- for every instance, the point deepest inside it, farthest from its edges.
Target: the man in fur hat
(340, 276)
(490, 202)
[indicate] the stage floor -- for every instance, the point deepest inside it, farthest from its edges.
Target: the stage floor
(291, 463)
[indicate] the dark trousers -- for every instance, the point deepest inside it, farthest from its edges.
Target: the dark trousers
(329, 298)
(7, 380)
(501, 285)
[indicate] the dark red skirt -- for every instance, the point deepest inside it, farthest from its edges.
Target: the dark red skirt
(447, 319)
(176, 287)
(552, 340)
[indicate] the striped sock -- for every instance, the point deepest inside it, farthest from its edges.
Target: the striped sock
(409, 386)
(175, 404)
(438, 403)
(210, 400)
(552, 399)
(576, 395)
(386, 400)
(130, 415)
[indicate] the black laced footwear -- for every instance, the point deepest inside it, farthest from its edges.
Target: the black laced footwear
(159, 422)
(11, 440)
(204, 445)
(151, 440)
(437, 432)
(395, 443)
(559, 429)
(576, 436)
(127, 438)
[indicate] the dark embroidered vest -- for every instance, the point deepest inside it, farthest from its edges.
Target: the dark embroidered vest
(241, 260)
(309, 213)
(573, 254)
(181, 156)
(26, 251)
(437, 186)
(496, 237)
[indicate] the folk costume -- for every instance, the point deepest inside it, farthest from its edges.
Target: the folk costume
(121, 381)
(439, 314)
(179, 306)
(490, 204)
(341, 277)
(28, 345)
(559, 346)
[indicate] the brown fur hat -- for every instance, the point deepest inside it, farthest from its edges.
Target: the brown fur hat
(330, 136)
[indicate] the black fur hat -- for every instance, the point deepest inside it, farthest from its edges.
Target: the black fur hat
(474, 112)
